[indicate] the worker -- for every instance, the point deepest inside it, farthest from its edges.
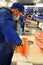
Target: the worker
(8, 35)
(17, 13)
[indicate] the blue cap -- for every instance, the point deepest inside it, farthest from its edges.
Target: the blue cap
(19, 6)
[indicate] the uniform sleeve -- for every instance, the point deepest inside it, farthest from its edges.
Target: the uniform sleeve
(11, 36)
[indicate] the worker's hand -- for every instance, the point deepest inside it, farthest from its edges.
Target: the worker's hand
(21, 44)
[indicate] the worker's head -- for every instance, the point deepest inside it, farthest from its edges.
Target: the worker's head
(17, 9)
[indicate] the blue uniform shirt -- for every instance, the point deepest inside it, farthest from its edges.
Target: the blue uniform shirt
(7, 31)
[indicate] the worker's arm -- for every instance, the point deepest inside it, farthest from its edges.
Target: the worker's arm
(11, 36)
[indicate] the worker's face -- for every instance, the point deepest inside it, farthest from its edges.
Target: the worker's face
(0, 6)
(15, 12)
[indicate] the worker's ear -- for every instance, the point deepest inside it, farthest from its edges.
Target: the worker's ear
(0, 6)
